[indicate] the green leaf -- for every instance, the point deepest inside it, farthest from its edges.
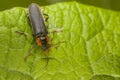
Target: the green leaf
(91, 52)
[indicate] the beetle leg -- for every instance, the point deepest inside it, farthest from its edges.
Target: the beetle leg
(46, 17)
(48, 59)
(57, 44)
(23, 33)
(28, 19)
(56, 31)
(29, 52)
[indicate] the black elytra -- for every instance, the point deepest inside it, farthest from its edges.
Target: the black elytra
(38, 26)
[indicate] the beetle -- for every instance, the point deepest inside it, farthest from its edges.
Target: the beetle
(38, 27)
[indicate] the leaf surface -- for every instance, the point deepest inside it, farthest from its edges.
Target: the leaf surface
(91, 51)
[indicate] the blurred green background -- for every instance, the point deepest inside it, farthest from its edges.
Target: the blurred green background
(108, 4)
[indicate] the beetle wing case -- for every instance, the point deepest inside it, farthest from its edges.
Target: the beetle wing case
(37, 21)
